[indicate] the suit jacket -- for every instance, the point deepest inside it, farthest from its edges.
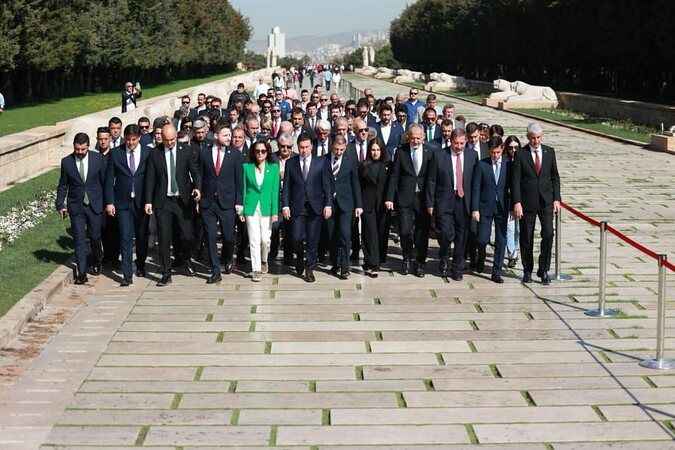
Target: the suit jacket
(403, 181)
(72, 187)
(440, 191)
(315, 145)
(223, 190)
(194, 113)
(535, 191)
(346, 185)
(126, 95)
(352, 151)
(267, 194)
(437, 136)
(486, 194)
(484, 150)
(187, 175)
(119, 179)
(316, 190)
(373, 176)
(395, 136)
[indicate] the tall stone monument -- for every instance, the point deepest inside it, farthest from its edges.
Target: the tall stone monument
(371, 54)
(276, 47)
(365, 56)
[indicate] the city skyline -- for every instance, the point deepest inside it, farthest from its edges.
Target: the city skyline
(301, 19)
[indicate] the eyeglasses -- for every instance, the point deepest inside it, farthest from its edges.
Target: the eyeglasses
(260, 151)
(276, 110)
(144, 127)
(413, 93)
(362, 130)
(186, 103)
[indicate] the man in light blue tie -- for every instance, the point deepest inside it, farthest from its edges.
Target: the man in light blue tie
(490, 203)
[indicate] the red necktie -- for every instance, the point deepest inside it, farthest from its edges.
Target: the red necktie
(537, 162)
(459, 177)
(275, 129)
(218, 162)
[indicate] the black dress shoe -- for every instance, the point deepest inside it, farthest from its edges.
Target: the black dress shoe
(81, 279)
(214, 279)
(545, 279)
(189, 268)
(497, 278)
(512, 263)
(527, 277)
(227, 268)
(344, 273)
(419, 270)
(335, 271)
(140, 271)
(126, 282)
(166, 279)
(309, 276)
(96, 269)
(288, 262)
(405, 267)
(457, 276)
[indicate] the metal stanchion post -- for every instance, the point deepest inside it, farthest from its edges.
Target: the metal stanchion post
(659, 362)
(559, 276)
(602, 278)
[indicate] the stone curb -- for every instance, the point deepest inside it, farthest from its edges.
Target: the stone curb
(644, 145)
(32, 303)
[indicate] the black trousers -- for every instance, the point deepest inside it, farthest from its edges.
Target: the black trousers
(339, 235)
(173, 218)
(242, 240)
(212, 217)
(281, 238)
(373, 228)
(356, 238)
(527, 223)
(133, 226)
(453, 228)
(86, 224)
(110, 236)
(415, 224)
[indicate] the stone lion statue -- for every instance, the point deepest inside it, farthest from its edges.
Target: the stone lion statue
(521, 92)
(384, 73)
(444, 82)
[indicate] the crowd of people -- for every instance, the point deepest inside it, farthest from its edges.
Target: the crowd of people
(307, 180)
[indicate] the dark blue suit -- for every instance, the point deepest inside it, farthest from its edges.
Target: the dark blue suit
(395, 136)
(346, 197)
(220, 194)
(492, 200)
(83, 217)
(306, 200)
(437, 138)
(120, 184)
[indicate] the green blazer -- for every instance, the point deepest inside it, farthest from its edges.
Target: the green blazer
(267, 194)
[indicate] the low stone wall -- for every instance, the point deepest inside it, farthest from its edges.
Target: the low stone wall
(644, 113)
(33, 151)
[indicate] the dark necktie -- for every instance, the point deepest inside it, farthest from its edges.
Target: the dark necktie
(459, 177)
(537, 162)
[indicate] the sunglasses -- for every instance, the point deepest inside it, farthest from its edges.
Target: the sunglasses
(362, 130)
(186, 103)
(260, 151)
(276, 110)
(144, 127)
(413, 93)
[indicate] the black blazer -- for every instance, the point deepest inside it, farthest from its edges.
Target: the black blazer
(438, 134)
(373, 176)
(484, 150)
(315, 147)
(317, 191)
(119, 180)
(72, 186)
(222, 190)
(346, 186)
(403, 180)
(395, 137)
(535, 191)
(194, 113)
(133, 97)
(187, 175)
(440, 192)
(486, 194)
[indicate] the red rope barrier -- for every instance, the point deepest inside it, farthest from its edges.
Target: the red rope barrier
(633, 243)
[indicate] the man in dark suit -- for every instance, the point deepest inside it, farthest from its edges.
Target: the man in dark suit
(490, 199)
(311, 119)
(306, 199)
(110, 236)
(298, 121)
(406, 187)
(432, 131)
(536, 193)
(282, 227)
(129, 96)
(322, 143)
(221, 171)
(239, 95)
(473, 140)
(449, 200)
(124, 198)
(200, 108)
(81, 182)
(172, 180)
(346, 205)
(358, 151)
(363, 111)
(181, 113)
(389, 131)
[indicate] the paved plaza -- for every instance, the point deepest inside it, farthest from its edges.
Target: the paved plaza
(396, 362)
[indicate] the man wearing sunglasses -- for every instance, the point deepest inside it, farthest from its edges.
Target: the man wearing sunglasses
(412, 105)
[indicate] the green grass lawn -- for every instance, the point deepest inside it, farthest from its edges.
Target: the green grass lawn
(36, 253)
(49, 112)
(622, 129)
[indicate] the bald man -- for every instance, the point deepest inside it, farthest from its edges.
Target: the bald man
(171, 185)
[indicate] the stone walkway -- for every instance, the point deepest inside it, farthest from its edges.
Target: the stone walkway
(395, 362)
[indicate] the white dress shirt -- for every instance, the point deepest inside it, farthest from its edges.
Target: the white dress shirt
(214, 154)
(454, 167)
(322, 148)
(167, 159)
(534, 155)
(386, 132)
(136, 155)
(361, 150)
(85, 163)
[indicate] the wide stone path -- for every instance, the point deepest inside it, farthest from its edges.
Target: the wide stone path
(396, 362)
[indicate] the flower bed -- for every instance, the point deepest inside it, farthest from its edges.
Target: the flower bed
(24, 217)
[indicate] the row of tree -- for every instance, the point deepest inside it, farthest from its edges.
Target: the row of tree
(616, 47)
(54, 48)
(383, 58)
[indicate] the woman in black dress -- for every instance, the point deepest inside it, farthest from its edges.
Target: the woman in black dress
(373, 174)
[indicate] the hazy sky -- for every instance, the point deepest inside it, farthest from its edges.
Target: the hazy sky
(318, 17)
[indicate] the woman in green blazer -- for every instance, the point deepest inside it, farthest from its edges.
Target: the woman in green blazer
(261, 204)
